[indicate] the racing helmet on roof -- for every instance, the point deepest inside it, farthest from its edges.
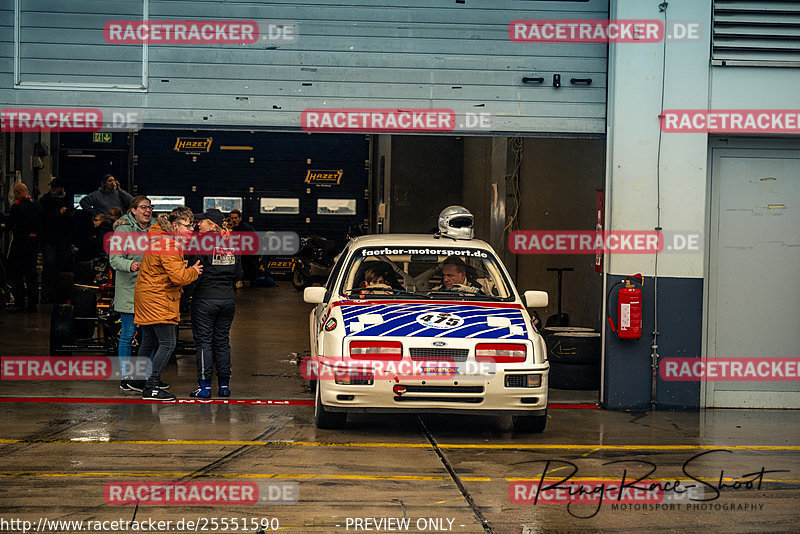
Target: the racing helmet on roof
(456, 222)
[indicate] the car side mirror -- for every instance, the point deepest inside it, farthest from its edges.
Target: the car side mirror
(314, 295)
(536, 299)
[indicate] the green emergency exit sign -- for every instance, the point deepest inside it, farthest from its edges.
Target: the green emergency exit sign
(101, 137)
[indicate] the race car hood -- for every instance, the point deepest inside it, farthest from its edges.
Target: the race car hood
(445, 319)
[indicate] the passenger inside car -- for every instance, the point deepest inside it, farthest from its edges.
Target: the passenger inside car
(419, 273)
(379, 279)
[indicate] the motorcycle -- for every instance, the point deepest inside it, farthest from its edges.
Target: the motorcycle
(313, 262)
(315, 258)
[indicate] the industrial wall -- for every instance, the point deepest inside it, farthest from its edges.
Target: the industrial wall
(663, 179)
(353, 54)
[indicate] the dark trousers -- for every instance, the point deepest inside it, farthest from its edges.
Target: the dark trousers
(165, 335)
(4, 296)
(22, 274)
(211, 327)
(249, 268)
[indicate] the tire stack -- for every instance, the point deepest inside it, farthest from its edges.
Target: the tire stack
(574, 355)
(70, 322)
(61, 329)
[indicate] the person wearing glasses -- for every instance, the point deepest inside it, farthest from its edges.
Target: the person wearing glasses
(126, 265)
(157, 297)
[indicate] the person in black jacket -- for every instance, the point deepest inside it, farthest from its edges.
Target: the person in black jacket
(5, 289)
(249, 263)
(213, 308)
(25, 222)
(56, 228)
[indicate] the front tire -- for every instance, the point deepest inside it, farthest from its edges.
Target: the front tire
(326, 419)
(63, 289)
(529, 423)
(582, 377)
(84, 302)
(299, 281)
(61, 332)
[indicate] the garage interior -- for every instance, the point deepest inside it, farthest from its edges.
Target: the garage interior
(523, 183)
(399, 183)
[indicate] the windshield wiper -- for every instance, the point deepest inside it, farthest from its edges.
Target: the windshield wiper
(461, 293)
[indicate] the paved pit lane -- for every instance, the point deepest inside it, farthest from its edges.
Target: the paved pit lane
(116, 463)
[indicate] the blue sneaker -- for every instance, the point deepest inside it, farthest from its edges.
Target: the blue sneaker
(224, 389)
(203, 391)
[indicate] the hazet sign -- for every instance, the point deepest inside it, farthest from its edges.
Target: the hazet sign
(193, 145)
(324, 177)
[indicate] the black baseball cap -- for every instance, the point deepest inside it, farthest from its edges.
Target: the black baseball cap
(213, 214)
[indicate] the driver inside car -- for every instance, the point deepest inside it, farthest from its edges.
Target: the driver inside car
(378, 280)
(454, 277)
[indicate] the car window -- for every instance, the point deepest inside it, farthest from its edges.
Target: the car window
(441, 273)
(336, 269)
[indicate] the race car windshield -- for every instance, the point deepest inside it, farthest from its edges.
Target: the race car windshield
(430, 273)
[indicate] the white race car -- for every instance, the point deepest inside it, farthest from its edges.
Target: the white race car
(425, 323)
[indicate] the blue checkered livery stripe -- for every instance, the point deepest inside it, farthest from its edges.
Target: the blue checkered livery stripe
(400, 320)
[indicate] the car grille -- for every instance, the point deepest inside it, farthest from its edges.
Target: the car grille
(449, 355)
(466, 400)
(443, 389)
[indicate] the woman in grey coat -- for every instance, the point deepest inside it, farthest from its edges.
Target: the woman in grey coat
(126, 267)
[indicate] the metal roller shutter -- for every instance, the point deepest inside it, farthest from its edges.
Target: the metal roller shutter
(349, 54)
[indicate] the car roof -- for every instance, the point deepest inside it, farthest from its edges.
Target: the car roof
(416, 240)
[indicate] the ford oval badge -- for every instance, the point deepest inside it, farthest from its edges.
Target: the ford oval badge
(439, 344)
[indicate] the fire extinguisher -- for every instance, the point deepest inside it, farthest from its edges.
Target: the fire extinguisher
(629, 309)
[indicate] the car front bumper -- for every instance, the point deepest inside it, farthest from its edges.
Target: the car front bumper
(486, 395)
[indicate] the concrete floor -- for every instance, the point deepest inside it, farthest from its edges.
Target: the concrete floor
(61, 448)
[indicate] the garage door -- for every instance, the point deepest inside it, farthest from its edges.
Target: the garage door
(754, 287)
(392, 54)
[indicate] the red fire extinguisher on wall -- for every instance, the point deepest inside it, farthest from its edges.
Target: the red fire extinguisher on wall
(629, 310)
